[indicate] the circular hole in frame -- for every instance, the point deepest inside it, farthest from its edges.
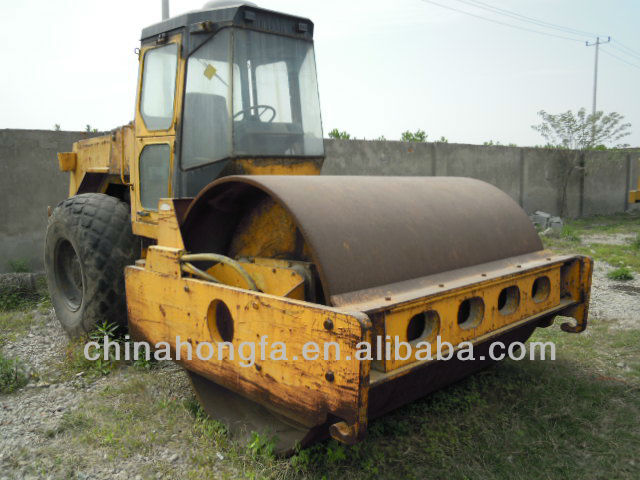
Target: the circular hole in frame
(220, 321)
(509, 300)
(424, 325)
(470, 313)
(541, 289)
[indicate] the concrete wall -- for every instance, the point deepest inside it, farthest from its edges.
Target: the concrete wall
(29, 182)
(533, 177)
(30, 179)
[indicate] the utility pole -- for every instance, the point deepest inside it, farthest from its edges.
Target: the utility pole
(595, 87)
(597, 44)
(165, 9)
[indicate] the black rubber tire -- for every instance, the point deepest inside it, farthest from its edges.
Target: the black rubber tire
(89, 242)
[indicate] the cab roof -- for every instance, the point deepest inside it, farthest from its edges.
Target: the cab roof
(241, 14)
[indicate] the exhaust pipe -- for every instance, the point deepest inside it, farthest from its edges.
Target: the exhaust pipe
(165, 9)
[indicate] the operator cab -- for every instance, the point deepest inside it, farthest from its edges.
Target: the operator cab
(219, 86)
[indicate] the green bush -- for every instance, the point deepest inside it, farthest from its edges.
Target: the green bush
(337, 134)
(419, 136)
(622, 273)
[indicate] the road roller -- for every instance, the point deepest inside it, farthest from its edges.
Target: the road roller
(206, 225)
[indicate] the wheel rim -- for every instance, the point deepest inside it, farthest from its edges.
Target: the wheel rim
(68, 273)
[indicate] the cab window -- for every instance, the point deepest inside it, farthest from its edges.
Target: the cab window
(159, 87)
(154, 174)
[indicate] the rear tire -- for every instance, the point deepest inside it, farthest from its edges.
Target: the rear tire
(89, 242)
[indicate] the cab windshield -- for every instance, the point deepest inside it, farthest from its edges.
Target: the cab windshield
(250, 94)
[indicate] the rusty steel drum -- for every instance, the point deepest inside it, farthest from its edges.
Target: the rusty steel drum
(361, 233)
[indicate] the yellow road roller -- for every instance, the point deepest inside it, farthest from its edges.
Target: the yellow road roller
(206, 223)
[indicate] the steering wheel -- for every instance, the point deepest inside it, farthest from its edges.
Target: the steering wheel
(257, 108)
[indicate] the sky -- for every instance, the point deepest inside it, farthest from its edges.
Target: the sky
(383, 66)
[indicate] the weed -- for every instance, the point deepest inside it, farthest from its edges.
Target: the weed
(105, 362)
(210, 428)
(192, 406)
(261, 445)
(75, 361)
(105, 329)
(141, 363)
(18, 297)
(336, 453)
(569, 233)
(340, 135)
(12, 375)
(15, 300)
(419, 136)
(635, 244)
(622, 273)
(20, 265)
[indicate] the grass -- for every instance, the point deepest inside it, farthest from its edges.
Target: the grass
(20, 265)
(12, 375)
(626, 255)
(139, 415)
(75, 362)
(11, 298)
(14, 324)
(572, 418)
(575, 417)
(622, 273)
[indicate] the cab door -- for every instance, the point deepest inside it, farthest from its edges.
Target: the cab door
(157, 107)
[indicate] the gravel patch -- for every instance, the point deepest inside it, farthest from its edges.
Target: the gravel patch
(30, 418)
(615, 300)
(42, 346)
(609, 239)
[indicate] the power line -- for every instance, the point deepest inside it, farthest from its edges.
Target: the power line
(621, 59)
(525, 18)
(625, 53)
(624, 49)
(502, 23)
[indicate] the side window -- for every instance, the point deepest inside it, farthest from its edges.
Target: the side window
(154, 174)
(159, 86)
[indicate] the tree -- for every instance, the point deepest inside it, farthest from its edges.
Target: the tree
(574, 133)
(417, 136)
(337, 134)
(579, 131)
